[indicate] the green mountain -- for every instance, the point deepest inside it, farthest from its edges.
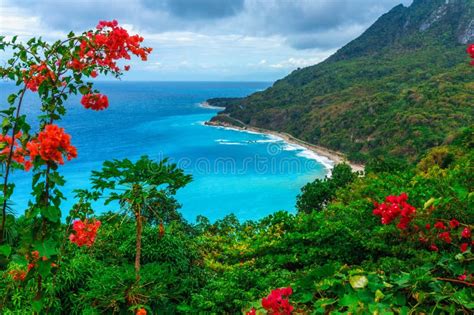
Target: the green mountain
(399, 89)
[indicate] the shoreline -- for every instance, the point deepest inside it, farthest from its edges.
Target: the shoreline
(335, 157)
(207, 106)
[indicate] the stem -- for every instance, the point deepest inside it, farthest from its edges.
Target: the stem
(8, 165)
(139, 243)
(469, 284)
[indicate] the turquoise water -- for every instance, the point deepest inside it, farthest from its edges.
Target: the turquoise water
(249, 174)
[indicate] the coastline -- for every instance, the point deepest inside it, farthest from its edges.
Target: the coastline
(206, 105)
(335, 157)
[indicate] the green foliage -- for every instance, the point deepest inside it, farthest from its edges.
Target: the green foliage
(339, 259)
(315, 195)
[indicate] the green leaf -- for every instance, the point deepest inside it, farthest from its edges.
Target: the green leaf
(56, 178)
(379, 296)
(47, 248)
(349, 300)
(5, 122)
(23, 56)
(37, 306)
(51, 213)
(11, 98)
(465, 297)
(84, 89)
(5, 250)
(44, 268)
(358, 281)
(429, 203)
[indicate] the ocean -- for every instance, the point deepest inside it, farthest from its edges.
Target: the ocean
(248, 174)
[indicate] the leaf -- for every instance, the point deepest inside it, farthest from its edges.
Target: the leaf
(464, 297)
(44, 268)
(47, 248)
(56, 178)
(6, 122)
(429, 203)
(84, 89)
(37, 306)
(5, 250)
(51, 213)
(349, 300)
(358, 281)
(11, 98)
(379, 296)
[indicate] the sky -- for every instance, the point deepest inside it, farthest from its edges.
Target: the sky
(208, 40)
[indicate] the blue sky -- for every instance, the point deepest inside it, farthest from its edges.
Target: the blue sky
(232, 40)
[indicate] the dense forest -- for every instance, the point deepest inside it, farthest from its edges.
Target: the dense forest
(395, 239)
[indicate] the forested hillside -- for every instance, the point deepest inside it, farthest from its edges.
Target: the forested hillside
(398, 89)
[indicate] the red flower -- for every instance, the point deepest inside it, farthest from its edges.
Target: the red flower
(277, 302)
(394, 207)
(18, 275)
(434, 248)
(252, 311)
(470, 51)
(445, 236)
(51, 145)
(428, 226)
(31, 266)
(462, 277)
(141, 311)
(466, 233)
(94, 74)
(85, 232)
(454, 223)
(107, 45)
(95, 101)
(440, 225)
(19, 153)
(463, 247)
(37, 75)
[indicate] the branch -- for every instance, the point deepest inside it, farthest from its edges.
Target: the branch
(469, 284)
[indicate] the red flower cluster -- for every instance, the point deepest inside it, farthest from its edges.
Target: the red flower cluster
(466, 233)
(141, 311)
(37, 75)
(252, 311)
(19, 153)
(440, 226)
(277, 302)
(85, 232)
(109, 44)
(466, 277)
(470, 51)
(18, 275)
(394, 207)
(52, 143)
(95, 101)
(446, 235)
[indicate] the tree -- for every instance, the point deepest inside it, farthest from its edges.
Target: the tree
(144, 189)
(316, 195)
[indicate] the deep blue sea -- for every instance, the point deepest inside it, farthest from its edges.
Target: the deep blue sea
(248, 174)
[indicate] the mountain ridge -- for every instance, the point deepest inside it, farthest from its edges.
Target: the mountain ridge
(400, 88)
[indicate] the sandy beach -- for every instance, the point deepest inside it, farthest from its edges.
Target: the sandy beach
(334, 156)
(207, 106)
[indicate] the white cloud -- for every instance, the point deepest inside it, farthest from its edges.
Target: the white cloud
(260, 40)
